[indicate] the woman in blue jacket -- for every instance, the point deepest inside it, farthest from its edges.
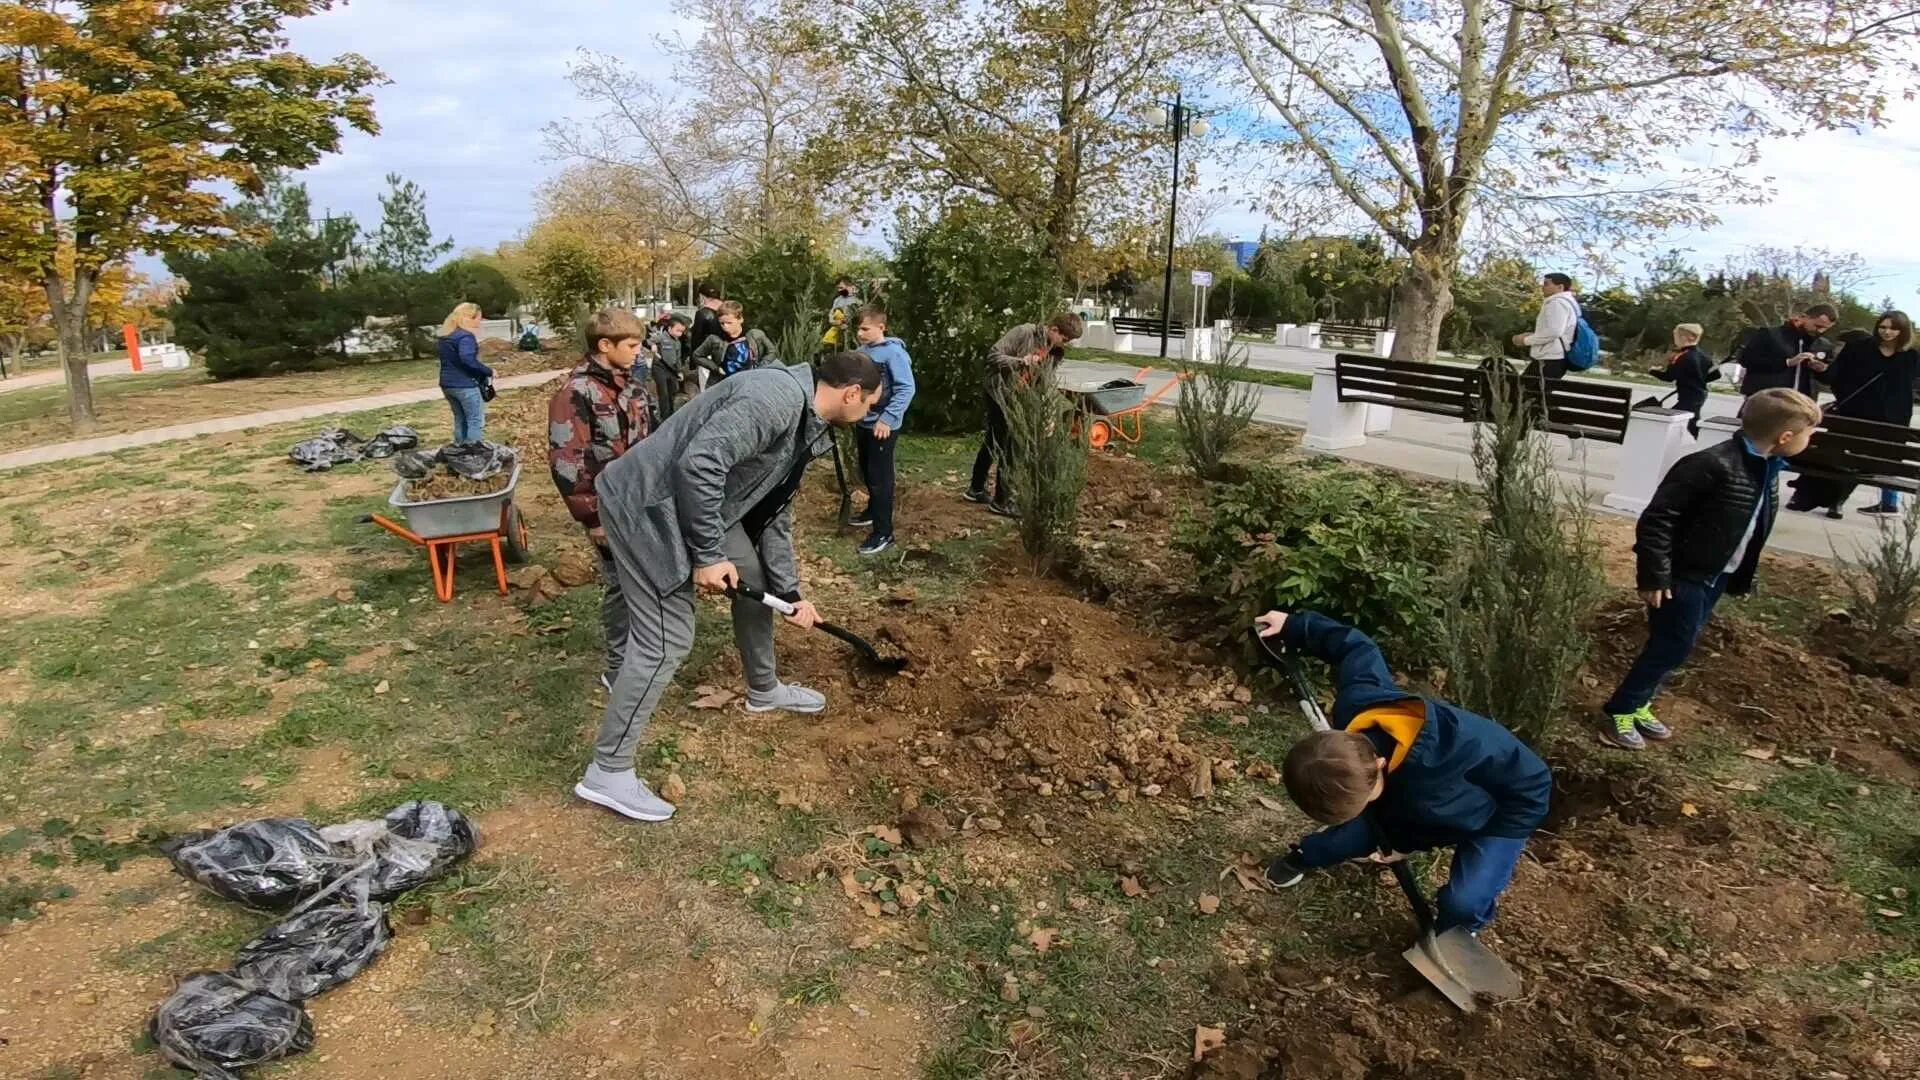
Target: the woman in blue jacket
(462, 374)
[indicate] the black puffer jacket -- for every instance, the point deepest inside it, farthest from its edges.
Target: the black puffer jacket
(1699, 513)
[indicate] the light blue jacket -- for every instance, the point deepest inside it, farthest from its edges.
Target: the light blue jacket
(896, 392)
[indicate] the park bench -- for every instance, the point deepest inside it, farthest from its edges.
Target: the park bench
(1338, 335)
(1569, 406)
(1149, 327)
(1863, 452)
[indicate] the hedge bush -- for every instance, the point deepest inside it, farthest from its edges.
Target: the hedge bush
(1365, 548)
(959, 284)
(781, 281)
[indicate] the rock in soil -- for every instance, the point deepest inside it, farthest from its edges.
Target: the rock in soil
(923, 827)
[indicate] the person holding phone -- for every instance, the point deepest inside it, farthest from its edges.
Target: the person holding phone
(1791, 356)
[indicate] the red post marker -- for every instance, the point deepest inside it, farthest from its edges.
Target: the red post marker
(133, 345)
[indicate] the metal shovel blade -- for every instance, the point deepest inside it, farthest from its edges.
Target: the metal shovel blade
(1462, 968)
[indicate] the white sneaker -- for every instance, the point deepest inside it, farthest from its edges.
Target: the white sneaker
(794, 699)
(623, 793)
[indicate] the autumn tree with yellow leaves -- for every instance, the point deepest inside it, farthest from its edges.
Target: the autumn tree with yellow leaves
(121, 118)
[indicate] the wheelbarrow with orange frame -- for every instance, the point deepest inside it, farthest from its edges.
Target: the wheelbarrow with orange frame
(1118, 407)
(442, 525)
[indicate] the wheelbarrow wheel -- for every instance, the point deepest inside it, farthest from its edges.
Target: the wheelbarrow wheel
(1099, 434)
(513, 536)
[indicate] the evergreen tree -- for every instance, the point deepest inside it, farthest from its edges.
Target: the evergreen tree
(399, 283)
(266, 305)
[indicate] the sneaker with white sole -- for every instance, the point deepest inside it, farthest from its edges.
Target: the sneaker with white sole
(624, 793)
(786, 697)
(861, 520)
(875, 545)
(1285, 871)
(1623, 731)
(606, 681)
(974, 496)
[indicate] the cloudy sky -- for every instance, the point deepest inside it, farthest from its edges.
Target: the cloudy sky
(474, 82)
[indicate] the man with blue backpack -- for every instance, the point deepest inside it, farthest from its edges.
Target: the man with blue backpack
(1561, 340)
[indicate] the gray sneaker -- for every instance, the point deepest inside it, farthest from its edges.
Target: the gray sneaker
(623, 793)
(794, 699)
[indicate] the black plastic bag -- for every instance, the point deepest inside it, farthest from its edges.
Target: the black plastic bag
(214, 1023)
(334, 446)
(415, 464)
(391, 441)
(476, 460)
(271, 864)
(416, 842)
(315, 951)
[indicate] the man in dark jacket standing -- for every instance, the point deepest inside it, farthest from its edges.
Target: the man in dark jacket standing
(1699, 537)
(705, 503)
(1401, 773)
(1785, 355)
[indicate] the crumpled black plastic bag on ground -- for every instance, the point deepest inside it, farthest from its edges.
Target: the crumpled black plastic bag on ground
(314, 951)
(271, 864)
(476, 460)
(334, 446)
(214, 1023)
(392, 441)
(416, 842)
(415, 464)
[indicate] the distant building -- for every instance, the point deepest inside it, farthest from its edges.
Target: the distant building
(1241, 250)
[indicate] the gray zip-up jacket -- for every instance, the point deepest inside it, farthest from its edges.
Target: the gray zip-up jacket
(677, 493)
(1009, 355)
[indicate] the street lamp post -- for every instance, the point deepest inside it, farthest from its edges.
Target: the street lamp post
(1182, 121)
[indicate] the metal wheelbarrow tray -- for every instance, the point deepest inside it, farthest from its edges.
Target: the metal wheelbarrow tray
(463, 515)
(1111, 396)
(442, 525)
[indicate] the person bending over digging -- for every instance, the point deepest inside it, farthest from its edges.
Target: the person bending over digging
(1401, 773)
(705, 504)
(597, 415)
(1700, 536)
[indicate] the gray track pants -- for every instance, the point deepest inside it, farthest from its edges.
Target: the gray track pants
(613, 614)
(659, 636)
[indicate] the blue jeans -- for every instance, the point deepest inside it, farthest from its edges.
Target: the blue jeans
(469, 412)
(1889, 498)
(1672, 628)
(1482, 869)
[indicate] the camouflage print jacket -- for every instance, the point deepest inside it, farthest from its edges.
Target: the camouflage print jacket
(595, 417)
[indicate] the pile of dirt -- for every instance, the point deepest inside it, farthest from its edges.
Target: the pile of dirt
(445, 485)
(1774, 691)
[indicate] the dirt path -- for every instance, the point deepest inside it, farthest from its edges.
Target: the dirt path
(107, 444)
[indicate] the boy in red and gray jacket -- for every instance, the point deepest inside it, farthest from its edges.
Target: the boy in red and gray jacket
(599, 414)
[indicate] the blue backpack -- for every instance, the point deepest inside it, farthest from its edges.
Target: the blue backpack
(1584, 350)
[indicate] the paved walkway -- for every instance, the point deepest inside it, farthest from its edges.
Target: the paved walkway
(55, 376)
(107, 444)
(1438, 447)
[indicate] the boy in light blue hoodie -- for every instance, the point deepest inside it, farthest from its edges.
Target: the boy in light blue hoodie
(879, 434)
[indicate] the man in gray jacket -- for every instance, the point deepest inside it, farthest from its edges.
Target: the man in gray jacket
(705, 503)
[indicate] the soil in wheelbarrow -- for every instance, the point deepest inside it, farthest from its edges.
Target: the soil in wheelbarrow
(444, 485)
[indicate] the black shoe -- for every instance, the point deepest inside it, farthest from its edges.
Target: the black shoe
(1003, 509)
(875, 545)
(1285, 871)
(1879, 508)
(973, 496)
(1833, 512)
(861, 520)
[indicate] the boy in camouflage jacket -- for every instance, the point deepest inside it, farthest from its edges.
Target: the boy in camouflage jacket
(599, 413)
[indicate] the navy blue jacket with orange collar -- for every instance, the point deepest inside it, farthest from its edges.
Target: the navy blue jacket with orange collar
(1451, 774)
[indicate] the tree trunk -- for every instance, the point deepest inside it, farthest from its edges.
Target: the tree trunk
(1421, 302)
(70, 323)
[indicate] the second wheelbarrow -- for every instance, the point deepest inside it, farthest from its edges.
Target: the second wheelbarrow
(1118, 407)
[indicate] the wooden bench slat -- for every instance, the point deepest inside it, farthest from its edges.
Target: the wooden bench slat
(1386, 394)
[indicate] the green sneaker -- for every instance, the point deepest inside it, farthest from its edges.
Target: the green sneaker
(1649, 727)
(1624, 732)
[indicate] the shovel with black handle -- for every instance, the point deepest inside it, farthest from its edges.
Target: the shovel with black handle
(1453, 960)
(884, 665)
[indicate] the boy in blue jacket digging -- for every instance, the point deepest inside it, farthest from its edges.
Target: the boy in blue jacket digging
(1400, 773)
(877, 436)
